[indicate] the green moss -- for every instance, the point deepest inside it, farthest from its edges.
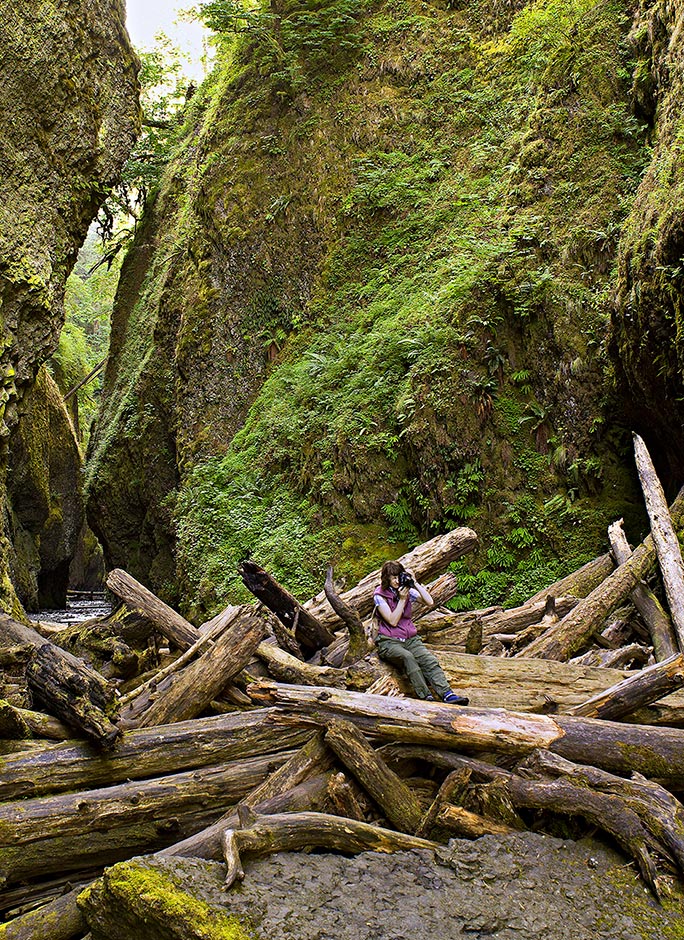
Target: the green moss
(357, 269)
(152, 901)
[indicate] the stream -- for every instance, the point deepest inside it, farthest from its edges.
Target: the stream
(77, 610)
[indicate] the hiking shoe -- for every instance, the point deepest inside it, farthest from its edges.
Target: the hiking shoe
(429, 698)
(451, 698)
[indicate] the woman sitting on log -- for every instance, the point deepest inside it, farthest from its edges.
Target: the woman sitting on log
(397, 639)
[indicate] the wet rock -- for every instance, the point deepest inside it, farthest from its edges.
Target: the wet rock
(523, 886)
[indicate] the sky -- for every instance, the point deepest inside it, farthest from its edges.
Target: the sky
(145, 18)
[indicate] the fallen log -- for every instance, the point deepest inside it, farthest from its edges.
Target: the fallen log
(25, 723)
(342, 798)
(426, 561)
(142, 695)
(74, 693)
(625, 697)
(70, 691)
(99, 827)
(633, 655)
(543, 686)
(581, 582)
(657, 620)
(187, 693)
(454, 783)
(664, 537)
(447, 628)
(469, 825)
(309, 633)
(12, 724)
(577, 628)
(295, 831)
(285, 667)
(60, 919)
(285, 789)
(169, 623)
(391, 794)
(147, 753)
(657, 753)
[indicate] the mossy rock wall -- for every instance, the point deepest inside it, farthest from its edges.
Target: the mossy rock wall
(371, 300)
(44, 497)
(70, 114)
(648, 316)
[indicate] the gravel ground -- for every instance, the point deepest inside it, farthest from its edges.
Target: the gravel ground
(518, 887)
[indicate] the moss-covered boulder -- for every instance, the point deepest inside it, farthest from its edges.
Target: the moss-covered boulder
(371, 298)
(555, 889)
(68, 96)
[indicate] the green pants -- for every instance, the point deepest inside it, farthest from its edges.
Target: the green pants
(416, 662)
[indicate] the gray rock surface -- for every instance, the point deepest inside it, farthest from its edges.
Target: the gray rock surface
(517, 888)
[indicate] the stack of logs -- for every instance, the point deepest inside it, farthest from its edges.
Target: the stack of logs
(276, 726)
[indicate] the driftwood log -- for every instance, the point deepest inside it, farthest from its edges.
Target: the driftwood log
(308, 632)
(657, 753)
(263, 835)
(664, 537)
(657, 620)
(169, 623)
(393, 796)
(577, 628)
(188, 692)
(98, 827)
(154, 752)
(638, 690)
(60, 919)
(69, 689)
(357, 641)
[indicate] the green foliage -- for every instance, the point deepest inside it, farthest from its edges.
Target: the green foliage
(291, 43)
(163, 94)
(85, 337)
(452, 184)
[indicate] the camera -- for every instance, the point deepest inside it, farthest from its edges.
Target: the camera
(405, 580)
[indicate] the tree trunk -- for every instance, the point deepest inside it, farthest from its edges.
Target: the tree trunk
(664, 537)
(638, 690)
(577, 628)
(189, 692)
(391, 794)
(465, 824)
(542, 686)
(655, 617)
(70, 690)
(74, 693)
(310, 795)
(154, 753)
(620, 748)
(99, 827)
(309, 633)
(294, 831)
(23, 723)
(287, 668)
(426, 561)
(60, 919)
(169, 623)
(581, 582)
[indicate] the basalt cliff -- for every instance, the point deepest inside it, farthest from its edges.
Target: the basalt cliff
(70, 114)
